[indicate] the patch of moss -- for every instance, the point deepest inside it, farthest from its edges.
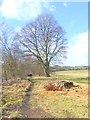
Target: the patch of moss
(13, 96)
(15, 114)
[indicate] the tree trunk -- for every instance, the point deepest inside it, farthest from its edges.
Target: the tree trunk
(47, 72)
(5, 71)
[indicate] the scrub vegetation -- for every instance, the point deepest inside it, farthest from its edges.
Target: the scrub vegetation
(66, 103)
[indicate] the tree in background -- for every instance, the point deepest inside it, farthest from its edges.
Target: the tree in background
(15, 64)
(44, 39)
(9, 66)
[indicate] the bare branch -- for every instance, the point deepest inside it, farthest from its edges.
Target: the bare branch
(44, 39)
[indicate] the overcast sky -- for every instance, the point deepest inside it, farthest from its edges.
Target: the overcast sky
(72, 16)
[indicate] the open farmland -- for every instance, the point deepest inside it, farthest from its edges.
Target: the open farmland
(40, 103)
(79, 76)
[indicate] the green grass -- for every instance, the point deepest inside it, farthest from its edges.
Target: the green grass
(14, 114)
(58, 105)
(61, 105)
(79, 76)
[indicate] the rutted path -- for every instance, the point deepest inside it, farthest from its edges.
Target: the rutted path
(25, 110)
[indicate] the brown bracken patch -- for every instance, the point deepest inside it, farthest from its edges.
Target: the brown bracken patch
(74, 91)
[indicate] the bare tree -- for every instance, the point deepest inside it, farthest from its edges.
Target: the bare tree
(44, 39)
(15, 64)
(9, 60)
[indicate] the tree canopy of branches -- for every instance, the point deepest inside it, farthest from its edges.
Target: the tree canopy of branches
(14, 63)
(9, 61)
(44, 39)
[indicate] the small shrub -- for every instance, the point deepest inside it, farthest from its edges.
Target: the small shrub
(50, 87)
(53, 87)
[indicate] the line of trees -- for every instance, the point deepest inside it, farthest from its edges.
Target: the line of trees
(33, 48)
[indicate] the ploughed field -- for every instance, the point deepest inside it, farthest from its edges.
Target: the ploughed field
(62, 103)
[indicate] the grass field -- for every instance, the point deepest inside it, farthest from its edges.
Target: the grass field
(79, 76)
(62, 105)
(58, 104)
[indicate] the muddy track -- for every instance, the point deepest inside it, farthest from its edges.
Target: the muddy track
(25, 110)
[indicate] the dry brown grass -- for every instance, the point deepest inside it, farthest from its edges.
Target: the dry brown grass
(13, 96)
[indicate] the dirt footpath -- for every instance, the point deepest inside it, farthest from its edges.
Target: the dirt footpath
(25, 110)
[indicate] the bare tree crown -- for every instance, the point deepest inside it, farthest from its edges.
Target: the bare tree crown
(44, 39)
